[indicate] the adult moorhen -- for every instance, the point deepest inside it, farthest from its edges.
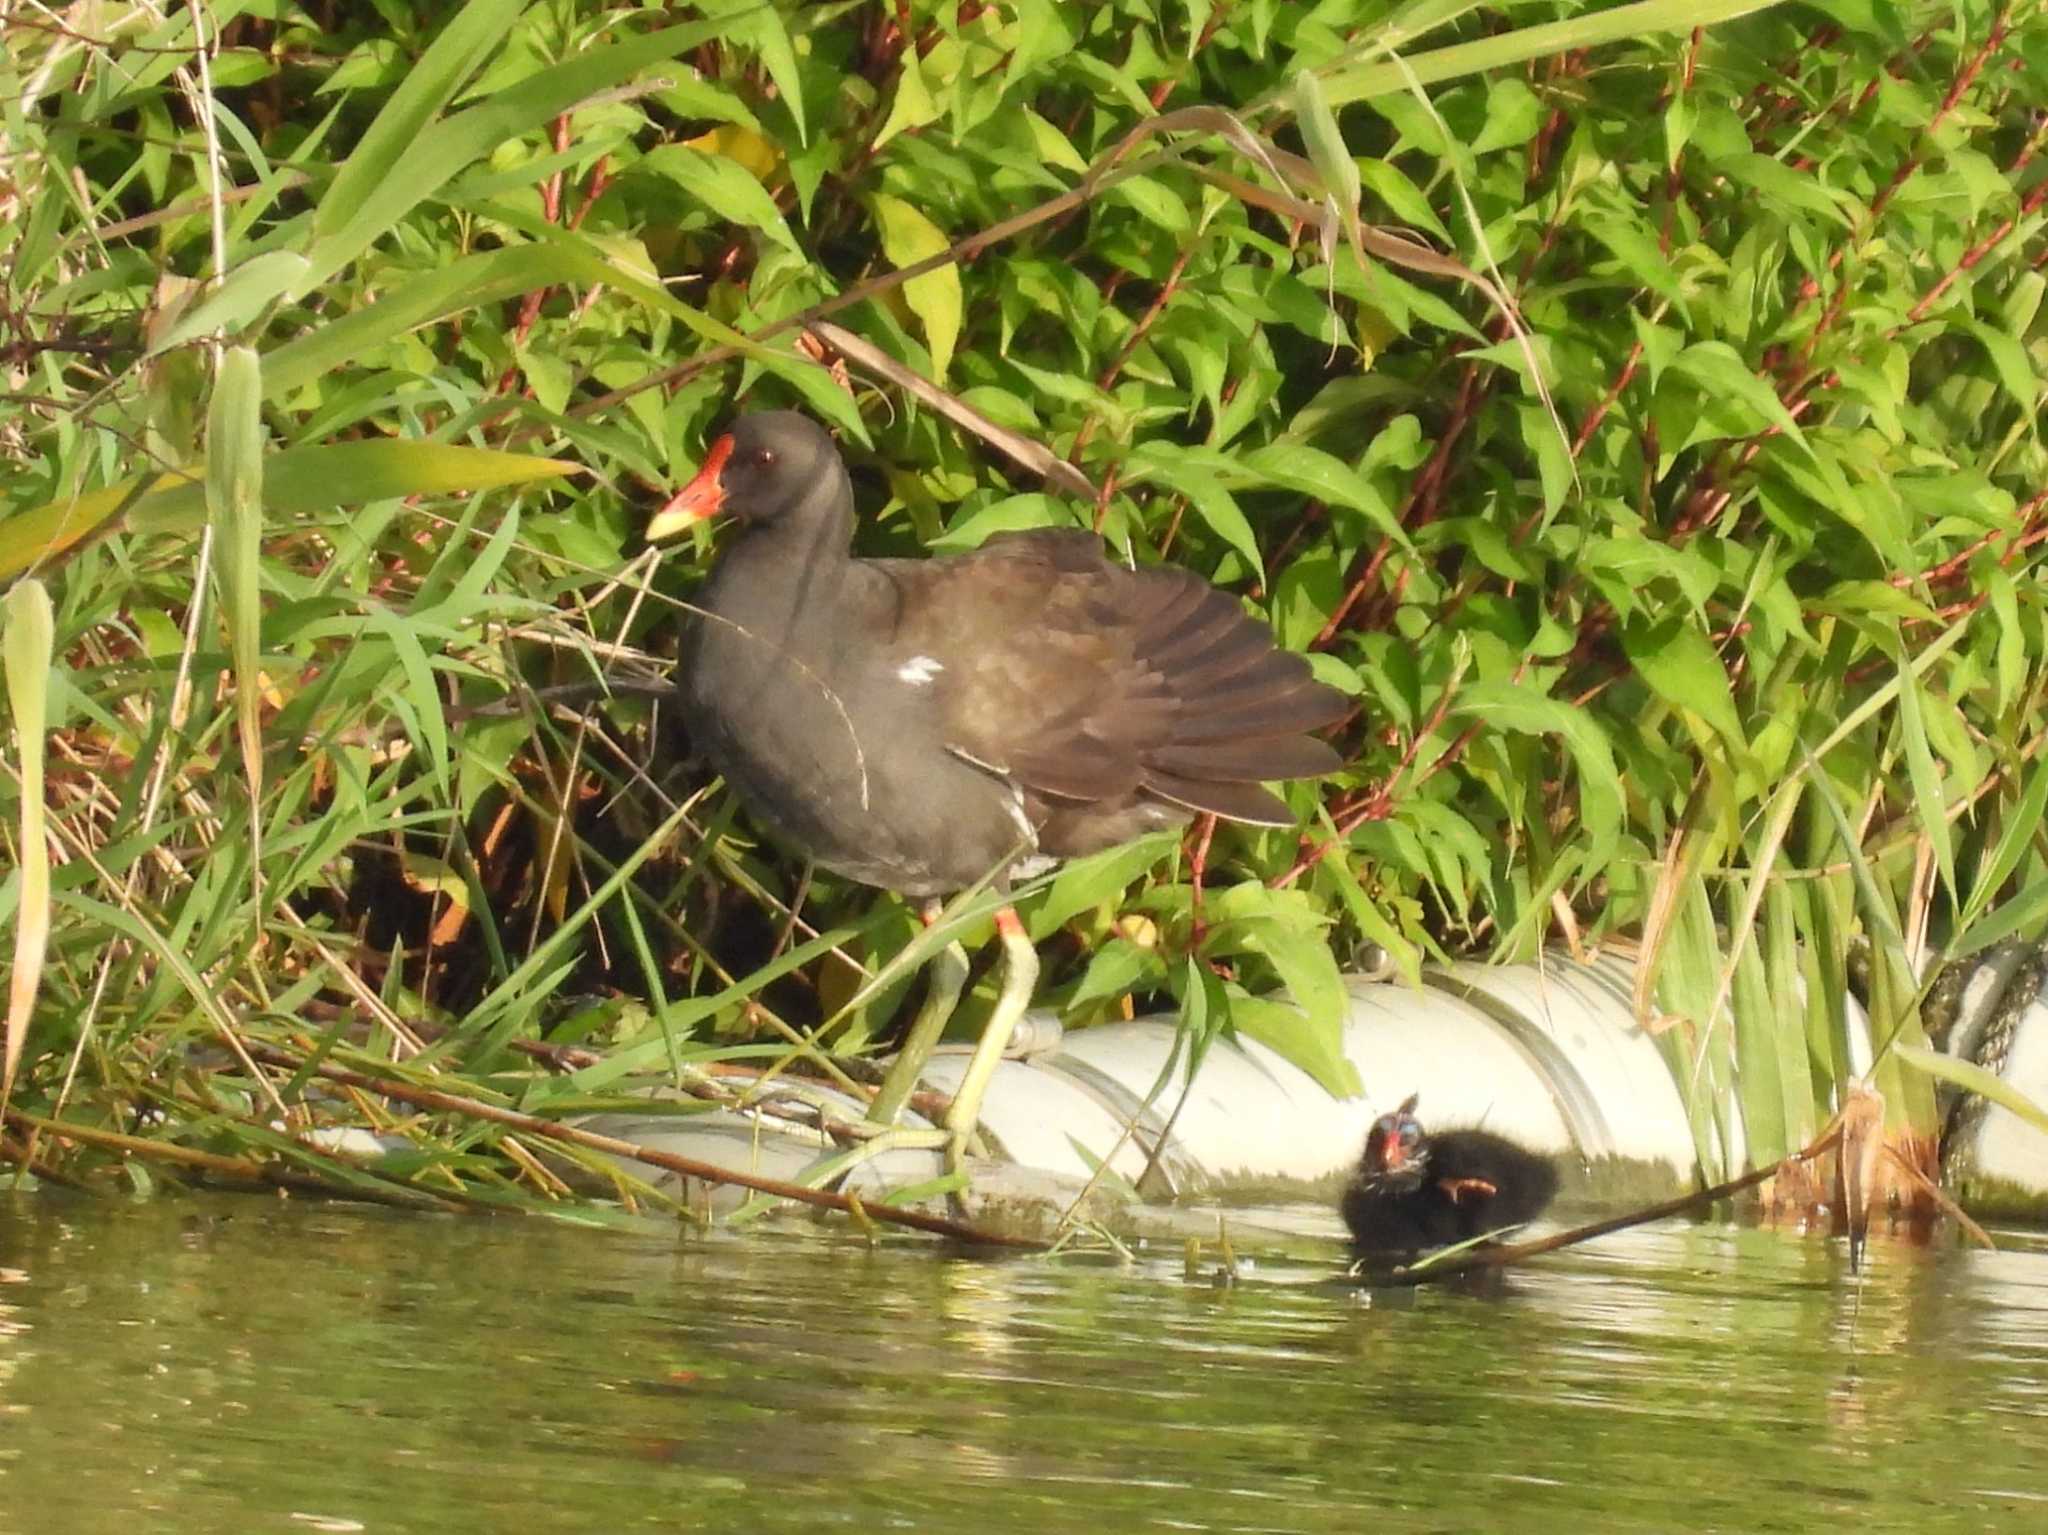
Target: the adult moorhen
(1414, 1190)
(921, 725)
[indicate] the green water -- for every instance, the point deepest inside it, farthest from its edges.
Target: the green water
(240, 1365)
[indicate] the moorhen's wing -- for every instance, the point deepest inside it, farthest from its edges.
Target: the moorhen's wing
(1087, 681)
(1497, 1181)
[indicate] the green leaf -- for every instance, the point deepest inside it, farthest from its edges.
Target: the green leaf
(727, 188)
(1053, 146)
(1281, 1029)
(2018, 915)
(913, 106)
(1116, 969)
(1360, 82)
(2009, 357)
(1009, 515)
(295, 481)
(1930, 799)
(1514, 113)
(1186, 472)
(1329, 479)
(1520, 706)
(1719, 369)
(1325, 142)
(1636, 248)
(234, 497)
(1783, 187)
(1681, 665)
(1086, 883)
(422, 698)
(1967, 1074)
(762, 26)
(1285, 928)
(2022, 825)
(1042, 32)
(243, 295)
(1155, 201)
(1760, 1024)
(416, 168)
(429, 85)
(405, 304)
(908, 237)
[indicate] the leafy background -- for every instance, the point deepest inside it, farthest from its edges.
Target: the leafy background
(1690, 600)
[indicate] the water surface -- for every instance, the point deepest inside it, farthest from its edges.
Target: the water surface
(234, 1364)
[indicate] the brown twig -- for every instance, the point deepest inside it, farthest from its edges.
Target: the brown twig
(1504, 1255)
(241, 1169)
(689, 1167)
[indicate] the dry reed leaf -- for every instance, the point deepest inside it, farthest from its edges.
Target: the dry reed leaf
(1862, 1149)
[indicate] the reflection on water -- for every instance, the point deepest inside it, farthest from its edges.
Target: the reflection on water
(238, 1365)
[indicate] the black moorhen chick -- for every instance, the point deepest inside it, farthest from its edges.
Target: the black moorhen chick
(1415, 1190)
(922, 724)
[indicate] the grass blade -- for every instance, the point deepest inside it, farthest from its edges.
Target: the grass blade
(428, 86)
(1345, 86)
(295, 481)
(28, 644)
(234, 496)
(1968, 1074)
(439, 153)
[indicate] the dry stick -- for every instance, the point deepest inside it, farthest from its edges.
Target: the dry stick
(690, 1167)
(960, 251)
(1503, 1256)
(23, 1155)
(1018, 448)
(212, 1162)
(1109, 169)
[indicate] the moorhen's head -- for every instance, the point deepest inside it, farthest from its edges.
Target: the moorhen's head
(1396, 1150)
(769, 467)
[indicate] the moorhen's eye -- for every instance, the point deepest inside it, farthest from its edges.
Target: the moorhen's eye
(763, 457)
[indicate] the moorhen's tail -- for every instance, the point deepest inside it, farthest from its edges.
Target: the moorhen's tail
(1239, 708)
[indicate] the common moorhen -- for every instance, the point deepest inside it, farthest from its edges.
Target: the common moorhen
(1414, 1190)
(923, 724)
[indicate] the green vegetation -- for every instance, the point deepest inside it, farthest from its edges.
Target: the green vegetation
(1693, 599)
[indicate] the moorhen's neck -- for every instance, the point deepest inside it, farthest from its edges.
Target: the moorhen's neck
(785, 569)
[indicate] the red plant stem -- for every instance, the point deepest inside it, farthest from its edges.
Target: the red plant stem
(1379, 802)
(1418, 509)
(1976, 253)
(1594, 417)
(1145, 321)
(1105, 495)
(551, 208)
(1954, 565)
(1166, 88)
(1109, 374)
(1965, 78)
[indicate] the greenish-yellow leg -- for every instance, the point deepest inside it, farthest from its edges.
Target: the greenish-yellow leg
(1020, 978)
(948, 976)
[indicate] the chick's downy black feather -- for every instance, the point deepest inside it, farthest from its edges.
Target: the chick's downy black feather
(1414, 1190)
